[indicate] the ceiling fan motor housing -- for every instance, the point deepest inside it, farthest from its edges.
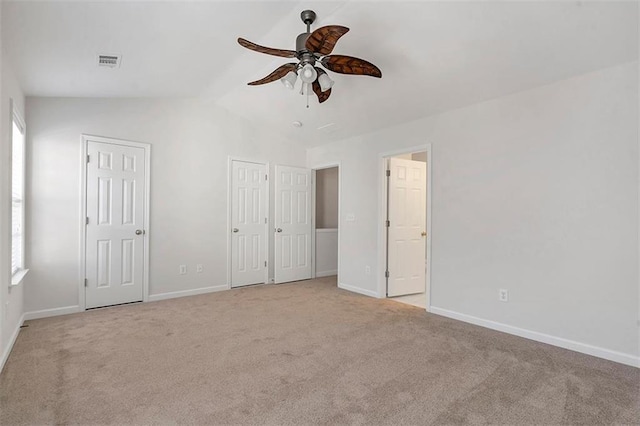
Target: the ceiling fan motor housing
(300, 43)
(302, 53)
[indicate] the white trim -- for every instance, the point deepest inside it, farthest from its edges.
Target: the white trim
(382, 206)
(321, 166)
(627, 359)
(184, 293)
(326, 273)
(358, 290)
(429, 215)
(314, 179)
(326, 230)
(267, 246)
(12, 341)
(46, 313)
(85, 138)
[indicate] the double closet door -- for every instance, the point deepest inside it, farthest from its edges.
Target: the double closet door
(251, 233)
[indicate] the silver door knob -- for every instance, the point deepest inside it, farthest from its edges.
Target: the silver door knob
(279, 230)
(236, 230)
(138, 231)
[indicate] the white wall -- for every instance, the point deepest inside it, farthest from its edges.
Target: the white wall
(191, 141)
(535, 192)
(11, 299)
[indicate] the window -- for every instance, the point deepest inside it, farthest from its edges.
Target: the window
(17, 198)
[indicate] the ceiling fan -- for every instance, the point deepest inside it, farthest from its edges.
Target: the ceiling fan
(313, 49)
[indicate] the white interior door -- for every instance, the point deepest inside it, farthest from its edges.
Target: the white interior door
(406, 241)
(293, 224)
(248, 223)
(115, 224)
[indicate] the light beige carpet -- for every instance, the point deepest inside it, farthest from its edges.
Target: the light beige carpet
(300, 353)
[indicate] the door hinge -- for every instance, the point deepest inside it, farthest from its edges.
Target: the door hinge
(265, 220)
(265, 263)
(388, 223)
(88, 158)
(86, 222)
(86, 282)
(388, 172)
(266, 177)
(386, 274)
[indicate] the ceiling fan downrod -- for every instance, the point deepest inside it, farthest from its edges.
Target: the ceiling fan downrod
(302, 53)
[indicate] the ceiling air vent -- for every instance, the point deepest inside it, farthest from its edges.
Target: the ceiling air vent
(111, 61)
(329, 128)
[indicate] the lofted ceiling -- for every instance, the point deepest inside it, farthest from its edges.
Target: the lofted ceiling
(434, 56)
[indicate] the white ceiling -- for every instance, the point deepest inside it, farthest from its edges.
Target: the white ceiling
(434, 56)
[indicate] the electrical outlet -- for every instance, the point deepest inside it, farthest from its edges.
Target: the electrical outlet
(503, 295)
(199, 268)
(367, 270)
(183, 269)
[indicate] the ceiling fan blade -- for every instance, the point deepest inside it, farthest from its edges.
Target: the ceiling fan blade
(324, 39)
(268, 50)
(322, 96)
(350, 65)
(279, 72)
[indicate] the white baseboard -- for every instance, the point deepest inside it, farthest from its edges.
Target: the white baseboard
(183, 293)
(46, 313)
(359, 290)
(622, 358)
(326, 273)
(12, 341)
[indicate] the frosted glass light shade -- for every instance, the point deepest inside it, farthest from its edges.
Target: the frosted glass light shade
(308, 74)
(289, 80)
(325, 82)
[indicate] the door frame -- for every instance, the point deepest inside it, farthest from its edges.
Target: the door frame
(314, 181)
(267, 257)
(382, 211)
(85, 139)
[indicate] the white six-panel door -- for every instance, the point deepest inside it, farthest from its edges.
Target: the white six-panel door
(115, 185)
(248, 223)
(407, 227)
(293, 224)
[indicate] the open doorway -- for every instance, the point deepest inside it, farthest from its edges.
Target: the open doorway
(406, 226)
(327, 206)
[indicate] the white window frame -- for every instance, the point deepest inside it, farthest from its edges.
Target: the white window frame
(18, 275)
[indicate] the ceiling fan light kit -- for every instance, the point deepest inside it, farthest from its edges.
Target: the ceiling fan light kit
(308, 74)
(313, 49)
(325, 82)
(289, 80)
